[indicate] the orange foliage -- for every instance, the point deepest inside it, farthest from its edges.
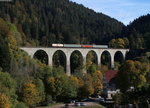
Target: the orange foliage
(4, 101)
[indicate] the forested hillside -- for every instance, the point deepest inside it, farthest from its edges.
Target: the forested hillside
(27, 83)
(59, 21)
(138, 33)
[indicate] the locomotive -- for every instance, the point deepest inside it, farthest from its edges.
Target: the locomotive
(79, 46)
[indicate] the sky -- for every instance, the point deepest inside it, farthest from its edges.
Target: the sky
(123, 10)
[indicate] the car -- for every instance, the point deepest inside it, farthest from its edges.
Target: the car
(84, 99)
(77, 104)
(67, 104)
(101, 99)
(98, 96)
(82, 104)
(109, 100)
(87, 100)
(70, 101)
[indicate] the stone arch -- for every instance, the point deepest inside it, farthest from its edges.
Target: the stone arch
(76, 61)
(42, 56)
(91, 61)
(95, 59)
(106, 59)
(59, 58)
(118, 59)
(119, 55)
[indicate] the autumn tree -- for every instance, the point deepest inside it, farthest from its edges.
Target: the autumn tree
(8, 86)
(4, 101)
(30, 94)
(62, 87)
(3, 28)
(119, 43)
(97, 82)
(14, 37)
(132, 73)
(86, 89)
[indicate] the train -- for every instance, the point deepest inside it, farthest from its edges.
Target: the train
(79, 46)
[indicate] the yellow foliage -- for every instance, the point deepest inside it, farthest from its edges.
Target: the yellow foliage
(88, 86)
(4, 101)
(132, 73)
(3, 27)
(81, 82)
(97, 81)
(90, 58)
(74, 79)
(119, 43)
(51, 79)
(51, 84)
(30, 94)
(91, 90)
(11, 39)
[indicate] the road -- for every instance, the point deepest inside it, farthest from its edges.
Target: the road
(72, 105)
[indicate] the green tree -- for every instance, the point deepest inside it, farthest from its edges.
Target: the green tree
(21, 105)
(91, 62)
(131, 73)
(4, 47)
(43, 72)
(50, 87)
(136, 40)
(4, 54)
(8, 86)
(61, 87)
(64, 22)
(41, 89)
(92, 69)
(69, 90)
(76, 63)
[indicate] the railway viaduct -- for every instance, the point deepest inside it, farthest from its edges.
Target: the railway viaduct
(50, 51)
